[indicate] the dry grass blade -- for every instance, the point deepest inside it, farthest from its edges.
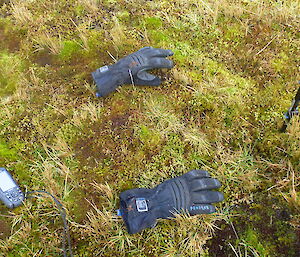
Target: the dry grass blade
(47, 42)
(21, 13)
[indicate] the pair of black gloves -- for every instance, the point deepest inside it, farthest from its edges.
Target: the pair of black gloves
(191, 193)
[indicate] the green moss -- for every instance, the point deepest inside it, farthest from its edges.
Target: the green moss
(150, 138)
(7, 152)
(69, 133)
(78, 205)
(69, 49)
(234, 33)
(153, 23)
(182, 52)
(123, 16)
(204, 101)
(11, 67)
(196, 76)
(280, 63)
(22, 171)
(212, 67)
(158, 36)
(253, 240)
(229, 116)
(80, 10)
(174, 148)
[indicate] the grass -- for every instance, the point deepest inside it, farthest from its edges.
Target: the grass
(220, 108)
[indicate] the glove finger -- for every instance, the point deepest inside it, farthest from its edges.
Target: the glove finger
(157, 63)
(193, 174)
(158, 52)
(205, 184)
(146, 49)
(201, 209)
(207, 197)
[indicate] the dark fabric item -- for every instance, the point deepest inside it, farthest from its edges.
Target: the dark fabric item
(145, 79)
(132, 68)
(293, 110)
(190, 193)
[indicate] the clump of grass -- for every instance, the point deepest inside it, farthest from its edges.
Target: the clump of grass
(197, 139)
(293, 195)
(117, 33)
(160, 113)
(47, 42)
(239, 168)
(91, 6)
(21, 13)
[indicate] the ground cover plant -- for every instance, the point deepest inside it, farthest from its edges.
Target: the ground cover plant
(219, 109)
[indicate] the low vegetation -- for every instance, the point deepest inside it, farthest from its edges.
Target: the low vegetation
(219, 109)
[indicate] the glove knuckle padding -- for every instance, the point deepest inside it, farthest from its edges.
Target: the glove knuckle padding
(180, 193)
(137, 61)
(205, 184)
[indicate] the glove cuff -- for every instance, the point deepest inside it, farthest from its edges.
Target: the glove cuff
(136, 211)
(126, 215)
(107, 79)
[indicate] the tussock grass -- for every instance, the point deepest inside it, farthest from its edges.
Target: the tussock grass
(219, 109)
(21, 13)
(47, 42)
(91, 6)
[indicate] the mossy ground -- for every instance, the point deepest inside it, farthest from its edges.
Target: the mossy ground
(220, 108)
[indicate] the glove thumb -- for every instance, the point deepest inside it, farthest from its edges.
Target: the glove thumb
(144, 78)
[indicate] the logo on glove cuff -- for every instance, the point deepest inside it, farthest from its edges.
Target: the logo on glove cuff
(104, 68)
(199, 207)
(141, 204)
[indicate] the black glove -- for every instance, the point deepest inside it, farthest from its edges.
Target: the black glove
(132, 67)
(190, 193)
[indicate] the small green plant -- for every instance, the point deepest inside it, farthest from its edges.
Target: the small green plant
(7, 153)
(69, 50)
(153, 22)
(250, 244)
